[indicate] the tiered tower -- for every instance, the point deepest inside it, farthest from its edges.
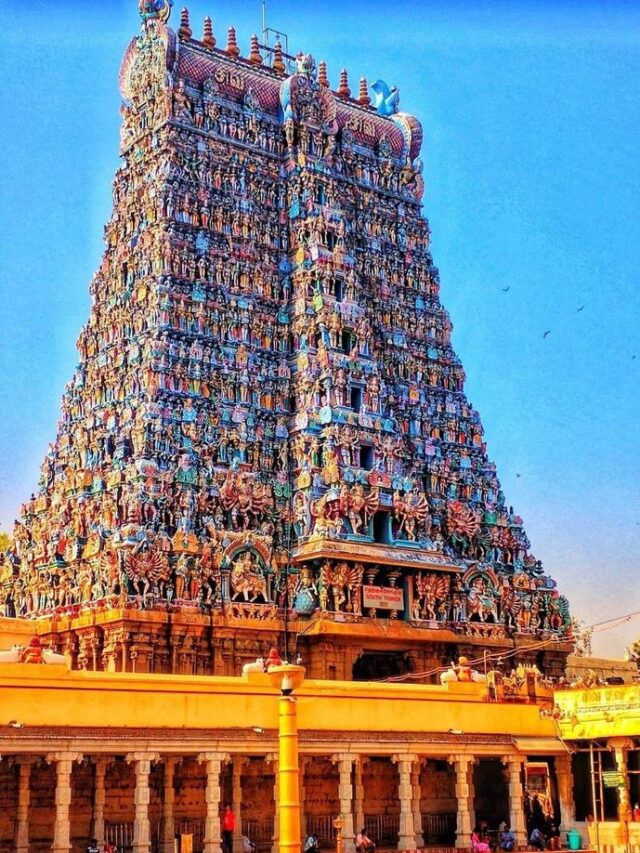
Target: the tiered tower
(266, 440)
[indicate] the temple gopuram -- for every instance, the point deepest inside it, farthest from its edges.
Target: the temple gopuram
(266, 441)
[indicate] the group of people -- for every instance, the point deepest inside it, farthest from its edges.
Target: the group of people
(483, 841)
(94, 847)
(363, 843)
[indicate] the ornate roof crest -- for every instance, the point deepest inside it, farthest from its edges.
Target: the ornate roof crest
(306, 65)
(155, 9)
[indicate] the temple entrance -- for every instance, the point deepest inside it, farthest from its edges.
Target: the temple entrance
(374, 666)
(491, 801)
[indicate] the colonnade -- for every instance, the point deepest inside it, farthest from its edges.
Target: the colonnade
(350, 796)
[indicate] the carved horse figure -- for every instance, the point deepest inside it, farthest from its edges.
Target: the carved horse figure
(481, 601)
(246, 581)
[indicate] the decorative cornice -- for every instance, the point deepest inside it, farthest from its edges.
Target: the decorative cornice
(354, 740)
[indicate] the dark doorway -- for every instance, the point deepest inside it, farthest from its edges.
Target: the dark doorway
(347, 340)
(381, 528)
(374, 666)
(366, 457)
(491, 801)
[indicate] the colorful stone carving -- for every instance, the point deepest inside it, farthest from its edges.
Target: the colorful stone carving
(267, 364)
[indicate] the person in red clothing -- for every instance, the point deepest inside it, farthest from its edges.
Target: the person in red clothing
(228, 828)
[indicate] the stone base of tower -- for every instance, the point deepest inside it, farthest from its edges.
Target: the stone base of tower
(347, 648)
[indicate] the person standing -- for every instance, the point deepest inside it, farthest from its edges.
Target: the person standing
(228, 828)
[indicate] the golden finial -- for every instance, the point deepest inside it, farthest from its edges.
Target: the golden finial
(254, 55)
(278, 61)
(232, 45)
(343, 89)
(184, 32)
(322, 73)
(208, 38)
(363, 97)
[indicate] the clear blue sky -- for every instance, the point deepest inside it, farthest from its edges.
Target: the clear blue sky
(531, 113)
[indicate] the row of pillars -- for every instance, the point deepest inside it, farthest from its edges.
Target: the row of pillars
(142, 761)
(410, 834)
(350, 793)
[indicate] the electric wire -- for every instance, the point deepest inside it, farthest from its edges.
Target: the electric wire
(597, 627)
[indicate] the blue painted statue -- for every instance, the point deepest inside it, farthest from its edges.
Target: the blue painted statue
(387, 100)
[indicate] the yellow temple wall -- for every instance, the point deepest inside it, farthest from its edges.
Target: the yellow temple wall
(53, 695)
(16, 632)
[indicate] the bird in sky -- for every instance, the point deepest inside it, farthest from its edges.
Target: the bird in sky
(518, 475)
(581, 308)
(548, 332)
(632, 357)
(506, 289)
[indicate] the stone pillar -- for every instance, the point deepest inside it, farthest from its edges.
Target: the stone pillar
(464, 794)
(62, 828)
(620, 746)
(564, 776)
(272, 759)
(345, 760)
(236, 800)
(24, 791)
(141, 828)
(416, 800)
(168, 801)
(358, 793)
(513, 763)
(406, 831)
(212, 834)
(97, 823)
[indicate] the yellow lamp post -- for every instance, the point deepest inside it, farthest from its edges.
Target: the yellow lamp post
(288, 678)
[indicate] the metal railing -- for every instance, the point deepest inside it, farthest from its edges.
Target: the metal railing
(260, 832)
(382, 829)
(322, 827)
(120, 834)
(194, 828)
(439, 828)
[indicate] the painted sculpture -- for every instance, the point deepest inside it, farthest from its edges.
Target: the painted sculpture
(266, 366)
